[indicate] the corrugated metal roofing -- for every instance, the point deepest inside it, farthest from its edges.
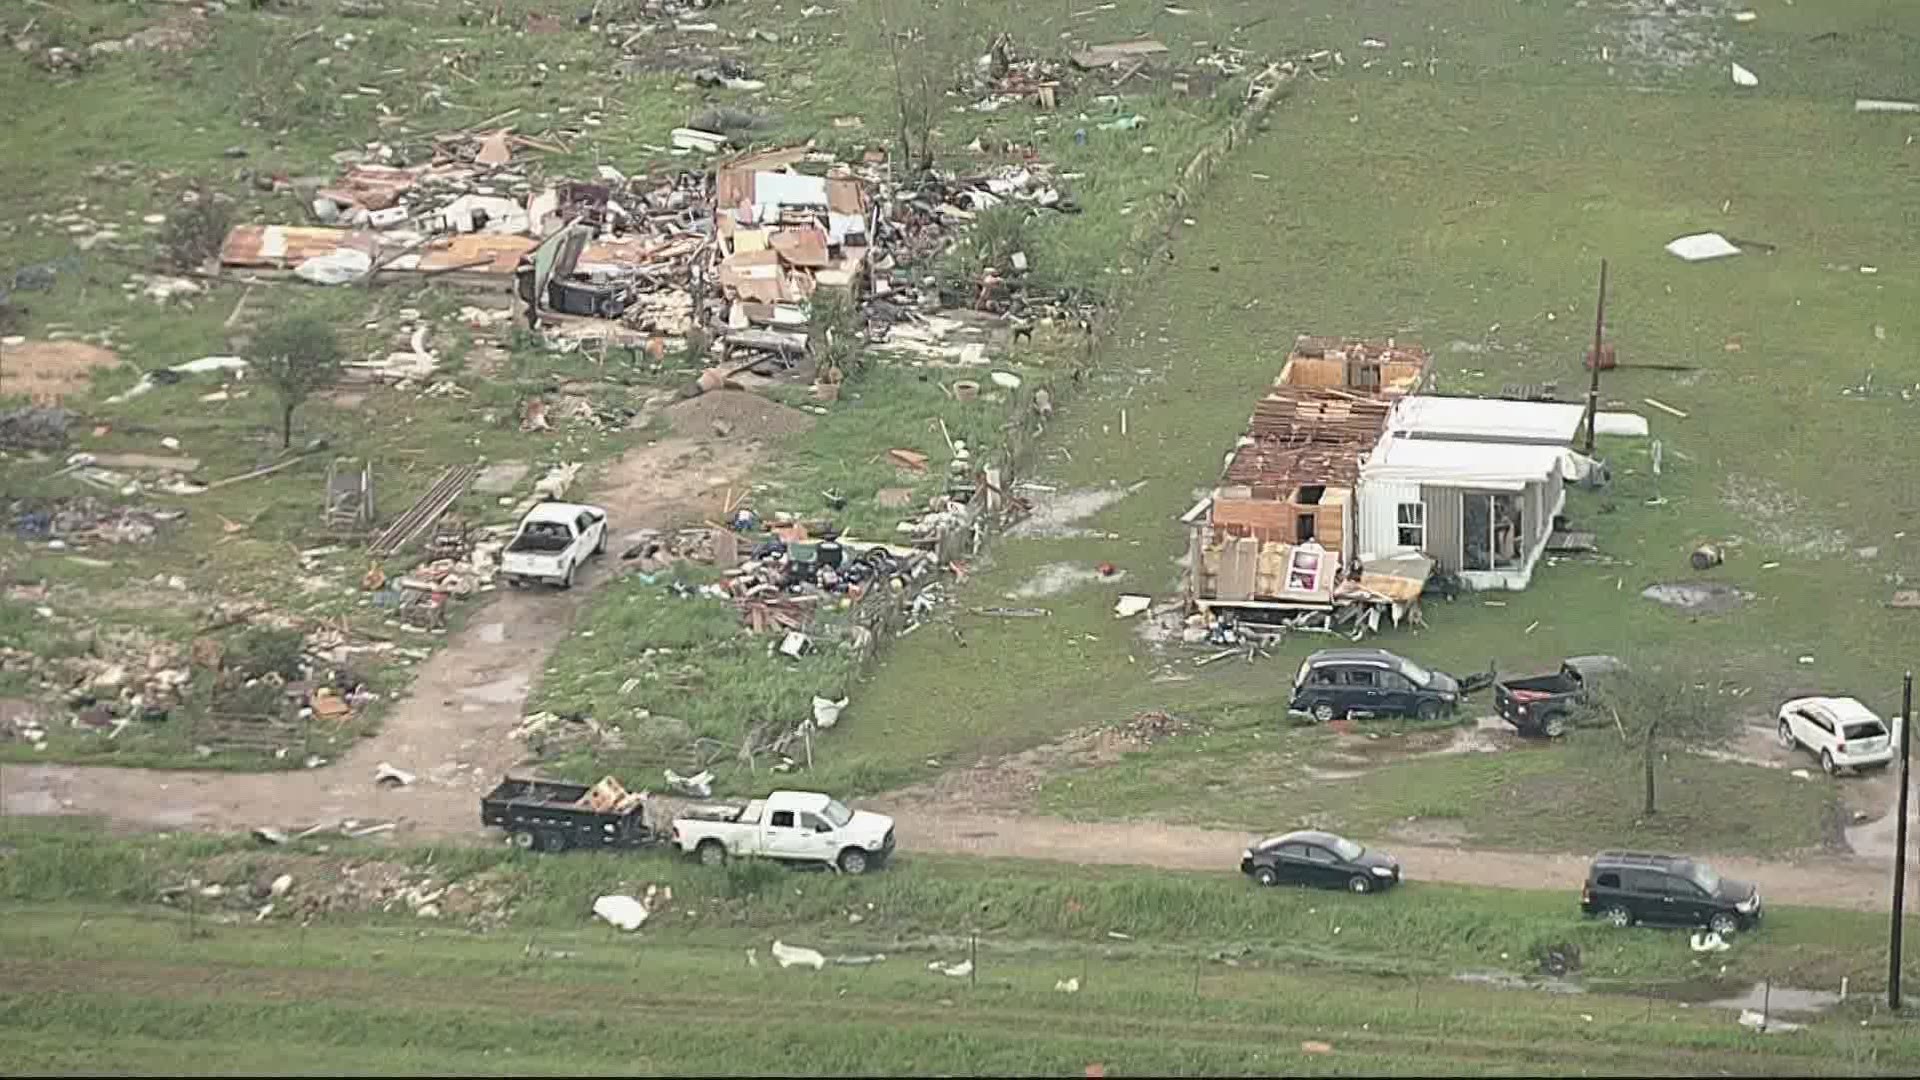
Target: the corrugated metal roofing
(1473, 419)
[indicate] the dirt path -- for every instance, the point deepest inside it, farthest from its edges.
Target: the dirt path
(1857, 884)
(452, 729)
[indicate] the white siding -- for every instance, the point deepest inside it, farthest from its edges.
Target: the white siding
(1378, 505)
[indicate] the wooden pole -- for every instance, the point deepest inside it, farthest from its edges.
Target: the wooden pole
(1900, 848)
(1593, 360)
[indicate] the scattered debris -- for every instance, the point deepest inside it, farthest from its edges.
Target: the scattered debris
(1743, 77)
(1758, 1021)
(790, 955)
(697, 786)
(388, 776)
(1708, 942)
(1699, 247)
(1312, 1046)
(1131, 604)
(959, 969)
(622, 911)
(1877, 105)
(1068, 986)
(1665, 408)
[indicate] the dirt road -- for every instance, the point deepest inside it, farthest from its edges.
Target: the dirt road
(1839, 882)
(452, 729)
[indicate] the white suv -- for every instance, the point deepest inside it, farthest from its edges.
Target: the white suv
(1845, 733)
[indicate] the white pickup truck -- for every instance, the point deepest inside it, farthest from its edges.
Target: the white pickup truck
(552, 541)
(792, 826)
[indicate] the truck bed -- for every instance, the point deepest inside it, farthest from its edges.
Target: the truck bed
(542, 793)
(529, 543)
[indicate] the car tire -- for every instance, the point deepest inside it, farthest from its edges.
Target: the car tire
(553, 841)
(1427, 712)
(522, 839)
(1554, 726)
(567, 582)
(853, 861)
(1827, 763)
(1359, 884)
(1787, 741)
(601, 547)
(1618, 916)
(1722, 923)
(1323, 712)
(711, 853)
(1266, 875)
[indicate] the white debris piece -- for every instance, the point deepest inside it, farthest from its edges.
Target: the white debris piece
(280, 885)
(622, 911)
(1743, 77)
(387, 774)
(336, 267)
(1881, 105)
(1699, 247)
(959, 970)
(1006, 380)
(192, 367)
(1068, 986)
(1131, 604)
(826, 712)
(1709, 942)
(1760, 1022)
(1622, 424)
(697, 786)
(789, 955)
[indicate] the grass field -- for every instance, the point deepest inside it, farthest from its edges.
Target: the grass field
(277, 90)
(1246, 772)
(1468, 209)
(117, 997)
(1175, 974)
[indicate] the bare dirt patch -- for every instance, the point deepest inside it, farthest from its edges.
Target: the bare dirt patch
(48, 371)
(1778, 520)
(743, 415)
(1657, 37)
(1008, 784)
(1697, 597)
(1056, 578)
(1055, 513)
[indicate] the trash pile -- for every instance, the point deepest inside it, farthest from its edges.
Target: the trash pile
(799, 567)
(267, 887)
(1147, 728)
(737, 252)
(547, 733)
(65, 522)
(131, 681)
(34, 428)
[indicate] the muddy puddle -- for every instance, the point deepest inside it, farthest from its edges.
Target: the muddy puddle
(1779, 999)
(1507, 980)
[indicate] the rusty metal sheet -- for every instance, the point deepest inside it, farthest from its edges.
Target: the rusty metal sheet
(801, 247)
(287, 246)
(496, 253)
(845, 195)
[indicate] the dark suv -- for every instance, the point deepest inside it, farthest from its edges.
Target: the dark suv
(1625, 887)
(1370, 682)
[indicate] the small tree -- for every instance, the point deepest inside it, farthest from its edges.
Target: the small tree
(928, 47)
(833, 335)
(296, 355)
(1654, 709)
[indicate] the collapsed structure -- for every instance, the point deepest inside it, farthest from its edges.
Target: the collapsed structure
(1354, 484)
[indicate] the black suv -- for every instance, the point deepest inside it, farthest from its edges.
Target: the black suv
(1370, 682)
(1625, 887)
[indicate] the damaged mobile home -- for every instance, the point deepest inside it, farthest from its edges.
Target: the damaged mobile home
(1354, 484)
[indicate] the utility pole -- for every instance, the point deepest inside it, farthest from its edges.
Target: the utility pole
(1900, 849)
(1595, 358)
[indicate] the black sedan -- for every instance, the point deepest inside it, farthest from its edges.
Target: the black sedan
(1319, 858)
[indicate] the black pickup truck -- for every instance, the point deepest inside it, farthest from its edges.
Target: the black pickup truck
(1545, 704)
(549, 815)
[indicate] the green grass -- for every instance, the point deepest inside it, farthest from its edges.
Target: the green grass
(919, 903)
(1460, 209)
(356, 1003)
(1244, 772)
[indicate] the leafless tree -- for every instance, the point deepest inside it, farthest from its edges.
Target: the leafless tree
(1657, 708)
